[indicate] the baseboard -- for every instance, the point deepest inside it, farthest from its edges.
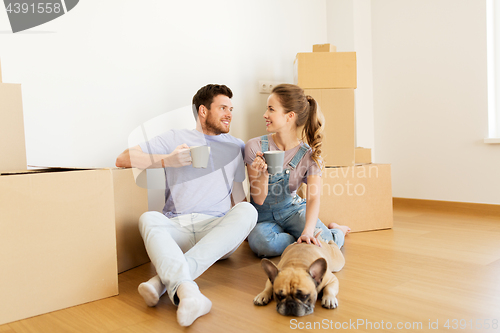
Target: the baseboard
(451, 206)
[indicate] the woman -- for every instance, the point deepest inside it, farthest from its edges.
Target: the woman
(284, 217)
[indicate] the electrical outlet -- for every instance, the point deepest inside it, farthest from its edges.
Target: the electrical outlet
(266, 87)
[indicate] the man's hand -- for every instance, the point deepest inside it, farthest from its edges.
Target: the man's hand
(181, 156)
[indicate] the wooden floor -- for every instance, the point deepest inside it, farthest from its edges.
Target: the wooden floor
(432, 268)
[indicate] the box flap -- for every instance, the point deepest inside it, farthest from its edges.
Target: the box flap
(67, 168)
(37, 169)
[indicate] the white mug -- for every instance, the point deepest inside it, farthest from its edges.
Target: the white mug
(199, 155)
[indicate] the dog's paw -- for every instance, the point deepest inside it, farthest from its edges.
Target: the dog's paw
(262, 299)
(329, 302)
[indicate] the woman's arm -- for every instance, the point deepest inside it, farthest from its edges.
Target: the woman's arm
(312, 210)
(135, 158)
(258, 177)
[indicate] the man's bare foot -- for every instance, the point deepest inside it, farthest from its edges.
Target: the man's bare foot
(345, 229)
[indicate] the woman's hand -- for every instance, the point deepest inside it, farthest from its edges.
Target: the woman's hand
(258, 178)
(259, 164)
(309, 239)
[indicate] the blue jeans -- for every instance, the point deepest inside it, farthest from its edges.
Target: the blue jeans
(277, 228)
(282, 217)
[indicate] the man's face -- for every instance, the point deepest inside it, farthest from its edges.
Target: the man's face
(219, 116)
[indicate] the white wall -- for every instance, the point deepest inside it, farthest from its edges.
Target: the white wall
(430, 99)
(90, 77)
(349, 28)
(93, 75)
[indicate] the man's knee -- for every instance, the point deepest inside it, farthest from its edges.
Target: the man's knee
(248, 213)
(146, 220)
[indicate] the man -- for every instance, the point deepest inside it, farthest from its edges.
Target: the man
(198, 225)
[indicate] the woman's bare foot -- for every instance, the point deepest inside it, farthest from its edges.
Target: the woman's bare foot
(345, 229)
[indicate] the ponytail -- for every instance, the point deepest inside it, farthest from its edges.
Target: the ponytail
(313, 130)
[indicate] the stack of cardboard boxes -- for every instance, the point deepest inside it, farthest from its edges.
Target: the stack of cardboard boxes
(354, 191)
(66, 233)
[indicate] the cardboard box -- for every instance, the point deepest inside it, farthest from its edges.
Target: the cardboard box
(325, 70)
(58, 240)
(359, 197)
(131, 201)
(363, 155)
(324, 48)
(337, 106)
(12, 142)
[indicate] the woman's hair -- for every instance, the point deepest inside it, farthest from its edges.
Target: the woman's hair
(293, 98)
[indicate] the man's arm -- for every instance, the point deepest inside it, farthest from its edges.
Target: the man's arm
(135, 158)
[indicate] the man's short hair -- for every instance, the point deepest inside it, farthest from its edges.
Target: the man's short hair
(205, 96)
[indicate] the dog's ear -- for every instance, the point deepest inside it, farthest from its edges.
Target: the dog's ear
(318, 269)
(270, 269)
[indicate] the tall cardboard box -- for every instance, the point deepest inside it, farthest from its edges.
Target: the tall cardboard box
(337, 105)
(58, 240)
(131, 201)
(359, 197)
(325, 70)
(12, 143)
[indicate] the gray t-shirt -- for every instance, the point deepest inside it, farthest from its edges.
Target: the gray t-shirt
(306, 167)
(204, 191)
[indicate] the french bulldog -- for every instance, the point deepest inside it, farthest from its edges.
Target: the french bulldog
(303, 272)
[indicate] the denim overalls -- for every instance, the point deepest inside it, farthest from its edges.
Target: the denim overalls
(282, 218)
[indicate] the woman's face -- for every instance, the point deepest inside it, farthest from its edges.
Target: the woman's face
(275, 116)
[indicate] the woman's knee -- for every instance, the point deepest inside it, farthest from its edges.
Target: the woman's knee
(265, 249)
(265, 243)
(261, 247)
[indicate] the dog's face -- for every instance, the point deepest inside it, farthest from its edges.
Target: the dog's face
(295, 290)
